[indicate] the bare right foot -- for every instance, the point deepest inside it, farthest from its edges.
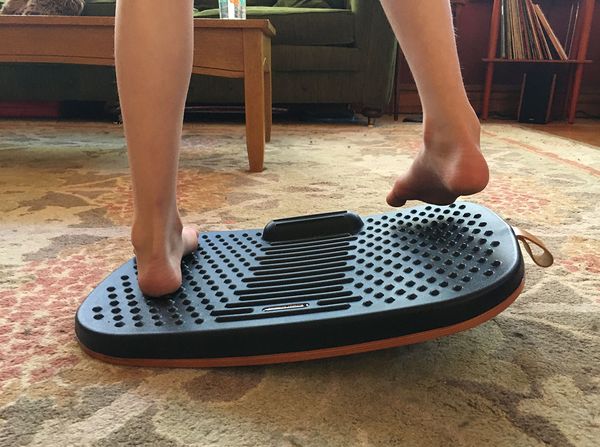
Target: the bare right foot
(159, 256)
(449, 165)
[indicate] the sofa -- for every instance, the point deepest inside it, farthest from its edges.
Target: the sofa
(343, 53)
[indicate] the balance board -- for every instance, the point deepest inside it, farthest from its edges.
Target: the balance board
(313, 287)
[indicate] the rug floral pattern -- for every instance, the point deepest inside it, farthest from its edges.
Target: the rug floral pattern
(529, 377)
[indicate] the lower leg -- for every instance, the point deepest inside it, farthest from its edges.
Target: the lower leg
(153, 59)
(450, 163)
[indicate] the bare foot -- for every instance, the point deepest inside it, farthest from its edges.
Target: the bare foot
(159, 258)
(449, 165)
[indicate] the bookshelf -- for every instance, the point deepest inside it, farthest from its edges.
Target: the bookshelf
(575, 62)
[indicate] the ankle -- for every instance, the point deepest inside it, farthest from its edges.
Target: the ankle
(460, 129)
(156, 238)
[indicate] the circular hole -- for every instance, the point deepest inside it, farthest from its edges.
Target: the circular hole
(118, 317)
(210, 307)
(126, 284)
(138, 324)
(199, 321)
(97, 309)
(110, 289)
(367, 303)
(137, 317)
(194, 314)
(98, 317)
(135, 310)
(179, 322)
(390, 300)
(116, 310)
(457, 288)
(156, 317)
(124, 277)
(119, 324)
(158, 323)
(114, 303)
(132, 303)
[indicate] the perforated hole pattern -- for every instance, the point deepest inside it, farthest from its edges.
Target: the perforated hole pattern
(415, 257)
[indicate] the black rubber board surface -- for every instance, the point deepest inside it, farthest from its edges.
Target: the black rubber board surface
(312, 282)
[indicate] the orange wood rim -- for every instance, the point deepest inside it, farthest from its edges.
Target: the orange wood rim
(316, 353)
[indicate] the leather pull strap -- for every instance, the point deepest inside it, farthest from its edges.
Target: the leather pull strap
(543, 260)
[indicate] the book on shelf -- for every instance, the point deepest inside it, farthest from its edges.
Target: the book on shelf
(570, 36)
(526, 33)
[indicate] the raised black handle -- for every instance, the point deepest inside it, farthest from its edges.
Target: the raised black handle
(312, 226)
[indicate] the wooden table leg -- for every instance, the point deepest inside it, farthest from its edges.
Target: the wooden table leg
(268, 91)
(254, 86)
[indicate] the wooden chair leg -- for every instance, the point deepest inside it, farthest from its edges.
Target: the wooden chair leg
(254, 86)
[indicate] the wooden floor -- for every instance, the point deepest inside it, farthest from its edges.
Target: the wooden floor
(583, 130)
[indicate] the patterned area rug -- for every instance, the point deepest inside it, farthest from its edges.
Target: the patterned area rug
(529, 377)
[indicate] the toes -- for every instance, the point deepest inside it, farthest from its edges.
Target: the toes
(393, 200)
(398, 195)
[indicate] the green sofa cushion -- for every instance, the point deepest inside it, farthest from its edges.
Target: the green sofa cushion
(302, 26)
(315, 59)
(99, 8)
(213, 4)
(336, 4)
(302, 4)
